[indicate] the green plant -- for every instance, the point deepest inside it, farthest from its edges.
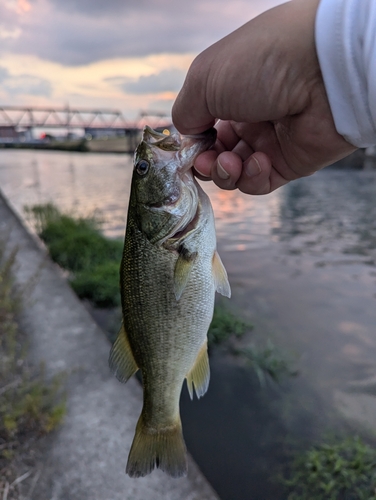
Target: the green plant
(41, 215)
(226, 324)
(35, 405)
(78, 246)
(100, 284)
(342, 470)
(30, 404)
(268, 362)
(75, 244)
(9, 347)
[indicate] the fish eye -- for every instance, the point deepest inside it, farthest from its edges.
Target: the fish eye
(142, 167)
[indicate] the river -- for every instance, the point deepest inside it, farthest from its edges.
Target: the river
(301, 263)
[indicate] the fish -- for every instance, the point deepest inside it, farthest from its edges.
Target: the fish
(169, 273)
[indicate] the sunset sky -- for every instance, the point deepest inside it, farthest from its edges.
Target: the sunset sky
(129, 55)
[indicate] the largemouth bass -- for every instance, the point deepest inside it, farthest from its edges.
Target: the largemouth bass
(170, 271)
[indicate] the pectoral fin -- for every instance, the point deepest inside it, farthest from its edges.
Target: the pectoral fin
(182, 271)
(220, 276)
(121, 360)
(199, 375)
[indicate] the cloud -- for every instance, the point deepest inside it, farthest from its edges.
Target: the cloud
(161, 106)
(9, 23)
(4, 73)
(95, 7)
(9, 33)
(167, 80)
(79, 32)
(28, 85)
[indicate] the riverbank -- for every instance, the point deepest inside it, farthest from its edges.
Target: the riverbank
(105, 144)
(85, 459)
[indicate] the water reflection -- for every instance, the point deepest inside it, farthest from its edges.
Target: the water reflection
(330, 212)
(333, 212)
(243, 222)
(83, 184)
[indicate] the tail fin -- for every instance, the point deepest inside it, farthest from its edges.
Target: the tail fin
(164, 449)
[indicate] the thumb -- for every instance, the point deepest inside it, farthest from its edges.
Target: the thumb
(190, 113)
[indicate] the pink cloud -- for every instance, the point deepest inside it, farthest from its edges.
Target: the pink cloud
(75, 32)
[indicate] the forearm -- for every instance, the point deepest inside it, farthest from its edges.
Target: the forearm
(346, 47)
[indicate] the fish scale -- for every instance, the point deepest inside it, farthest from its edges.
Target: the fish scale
(169, 274)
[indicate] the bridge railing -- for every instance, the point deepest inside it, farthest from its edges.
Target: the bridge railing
(38, 117)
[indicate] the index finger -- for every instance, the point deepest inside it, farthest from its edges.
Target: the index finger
(190, 113)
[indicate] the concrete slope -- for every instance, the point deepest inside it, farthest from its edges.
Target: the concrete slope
(87, 456)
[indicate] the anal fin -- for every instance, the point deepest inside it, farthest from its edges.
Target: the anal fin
(199, 375)
(222, 285)
(121, 360)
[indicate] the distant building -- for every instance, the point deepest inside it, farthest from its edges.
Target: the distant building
(8, 134)
(97, 132)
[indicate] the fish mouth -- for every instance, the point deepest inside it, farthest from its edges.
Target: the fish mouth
(184, 148)
(193, 145)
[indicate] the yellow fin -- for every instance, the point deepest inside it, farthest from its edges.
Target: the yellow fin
(163, 448)
(182, 271)
(199, 375)
(220, 276)
(121, 360)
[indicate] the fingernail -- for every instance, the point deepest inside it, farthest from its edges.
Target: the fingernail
(252, 167)
(201, 173)
(222, 172)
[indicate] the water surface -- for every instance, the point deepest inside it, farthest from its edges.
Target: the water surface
(301, 264)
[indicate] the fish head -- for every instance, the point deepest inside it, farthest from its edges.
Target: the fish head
(163, 190)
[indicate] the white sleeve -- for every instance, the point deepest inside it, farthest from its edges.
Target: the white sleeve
(346, 48)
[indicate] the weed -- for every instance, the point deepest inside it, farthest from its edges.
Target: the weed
(77, 245)
(226, 324)
(100, 285)
(30, 405)
(268, 362)
(342, 470)
(8, 326)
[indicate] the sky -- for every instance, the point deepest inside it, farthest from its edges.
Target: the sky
(128, 55)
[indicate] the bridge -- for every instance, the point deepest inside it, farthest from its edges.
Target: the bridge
(18, 117)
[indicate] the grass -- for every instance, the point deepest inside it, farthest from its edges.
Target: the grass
(342, 470)
(225, 325)
(78, 246)
(269, 362)
(30, 405)
(101, 286)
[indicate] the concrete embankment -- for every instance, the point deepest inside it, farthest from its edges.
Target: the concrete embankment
(86, 457)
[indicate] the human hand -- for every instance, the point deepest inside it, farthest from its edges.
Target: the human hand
(264, 83)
